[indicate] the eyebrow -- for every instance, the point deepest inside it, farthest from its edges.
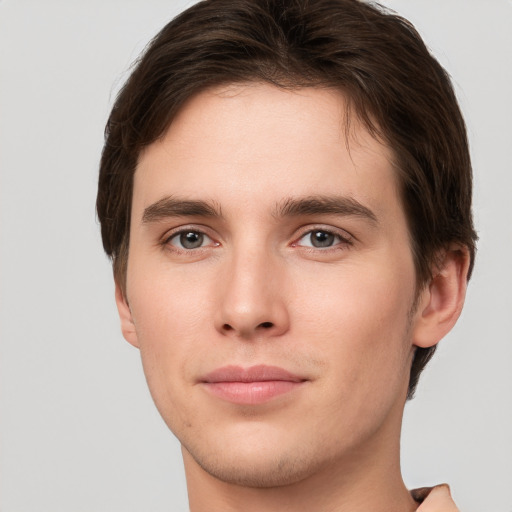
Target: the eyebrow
(324, 205)
(291, 207)
(175, 207)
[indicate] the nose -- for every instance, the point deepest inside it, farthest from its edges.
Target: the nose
(253, 302)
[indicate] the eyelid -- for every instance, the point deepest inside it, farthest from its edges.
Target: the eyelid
(170, 234)
(345, 237)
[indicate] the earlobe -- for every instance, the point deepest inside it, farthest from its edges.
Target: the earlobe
(125, 316)
(440, 303)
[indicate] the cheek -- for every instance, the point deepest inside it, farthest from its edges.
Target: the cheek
(168, 306)
(354, 297)
(168, 315)
(360, 318)
(363, 338)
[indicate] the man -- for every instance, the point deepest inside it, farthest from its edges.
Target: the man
(285, 192)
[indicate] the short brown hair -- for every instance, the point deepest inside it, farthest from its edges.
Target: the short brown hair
(376, 58)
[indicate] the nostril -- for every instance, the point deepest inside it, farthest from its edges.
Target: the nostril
(228, 327)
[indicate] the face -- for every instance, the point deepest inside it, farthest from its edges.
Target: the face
(270, 284)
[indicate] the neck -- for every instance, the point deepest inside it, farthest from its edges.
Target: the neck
(368, 478)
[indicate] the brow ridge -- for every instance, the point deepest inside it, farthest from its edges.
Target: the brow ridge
(290, 207)
(175, 207)
(327, 205)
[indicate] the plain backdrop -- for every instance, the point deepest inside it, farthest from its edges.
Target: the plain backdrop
(78, 429)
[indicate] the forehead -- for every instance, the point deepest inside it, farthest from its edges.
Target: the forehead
(258, 143)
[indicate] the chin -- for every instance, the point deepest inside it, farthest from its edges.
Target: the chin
(256, 464)
(278, 471)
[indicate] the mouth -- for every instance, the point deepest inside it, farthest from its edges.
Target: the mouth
(251, 386)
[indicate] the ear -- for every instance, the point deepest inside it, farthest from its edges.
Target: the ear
(440, 303)
(125, 315)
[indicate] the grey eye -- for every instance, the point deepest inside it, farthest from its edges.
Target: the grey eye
(322, 238)
(189, 240)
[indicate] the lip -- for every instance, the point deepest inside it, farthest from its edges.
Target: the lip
(251, 386)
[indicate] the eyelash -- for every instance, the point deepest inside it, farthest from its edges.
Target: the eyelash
(343, 240)
(183, 231)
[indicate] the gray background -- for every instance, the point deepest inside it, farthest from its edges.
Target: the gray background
(78, 429)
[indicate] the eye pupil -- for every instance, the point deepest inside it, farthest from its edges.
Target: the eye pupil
(191, 239)
(322, 239)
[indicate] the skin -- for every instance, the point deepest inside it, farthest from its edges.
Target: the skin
(256, 290)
